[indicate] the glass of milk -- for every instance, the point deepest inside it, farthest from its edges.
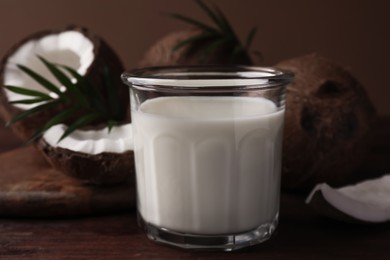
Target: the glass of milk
(207, 144)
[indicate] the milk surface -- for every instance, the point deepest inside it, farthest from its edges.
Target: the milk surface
(208, 165)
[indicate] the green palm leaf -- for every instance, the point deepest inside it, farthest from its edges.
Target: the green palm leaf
(211, 14)
(111, 124)
(250, 38)
(59, 118)
(212, 47)
(237, 52)
(231, 42)
(41, 80)
(60, 76)
(29, 101)
(78, 124)
(224, 23)
(74, 73)
(79, 95)
(194, 22)
(27, 92)
(95, 98)
(64, 80)
(194, 39)
(34, 110)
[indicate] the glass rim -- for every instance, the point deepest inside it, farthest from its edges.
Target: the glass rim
(206, 77)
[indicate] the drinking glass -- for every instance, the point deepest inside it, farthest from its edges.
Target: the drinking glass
(207, 145)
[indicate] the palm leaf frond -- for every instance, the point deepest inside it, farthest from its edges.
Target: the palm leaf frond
(41, 80)
(31, 111)
(224, 22)
(193, 39)
(87, 119)
(57, 119)
(64, 80)
(250, 38)
(211, 14)
(29, 101)
(222, 30)
(27, 92)
(194, 22)
(95, 98)
(79, 95)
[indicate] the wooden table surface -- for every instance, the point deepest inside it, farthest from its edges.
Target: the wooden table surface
(302, 233)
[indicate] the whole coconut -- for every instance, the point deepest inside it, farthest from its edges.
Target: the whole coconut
(163, 52)
(327, 122)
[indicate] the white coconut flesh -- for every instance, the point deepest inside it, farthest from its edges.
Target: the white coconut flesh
(366, 201)
(69, 48)
(118, 140)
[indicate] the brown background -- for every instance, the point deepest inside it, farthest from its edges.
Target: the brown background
(355, 34)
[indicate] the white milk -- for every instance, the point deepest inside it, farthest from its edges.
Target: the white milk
(208, 165)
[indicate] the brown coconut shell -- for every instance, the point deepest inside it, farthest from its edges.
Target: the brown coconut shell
(162, 54)
(104, 57)
(102, 169)
(327, 124)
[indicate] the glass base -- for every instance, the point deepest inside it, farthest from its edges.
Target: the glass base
(209, 242)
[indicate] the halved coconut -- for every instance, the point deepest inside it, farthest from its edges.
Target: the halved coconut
(75, 47)
(94, 156)
(368, 201)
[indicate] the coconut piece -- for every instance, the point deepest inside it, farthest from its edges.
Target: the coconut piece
(95, 156)
(368, 201)
(75, 47)
(162, 54)
(327, 124)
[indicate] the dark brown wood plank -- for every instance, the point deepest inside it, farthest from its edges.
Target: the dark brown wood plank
(302, 233)
(29, 186)
(8, 139)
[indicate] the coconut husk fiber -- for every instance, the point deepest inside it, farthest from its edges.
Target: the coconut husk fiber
(327, 124)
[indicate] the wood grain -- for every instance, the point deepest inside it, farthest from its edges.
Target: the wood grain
(8, 139)
(302, 234)
(29, 186)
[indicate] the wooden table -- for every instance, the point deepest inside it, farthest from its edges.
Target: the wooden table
(302, 233)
